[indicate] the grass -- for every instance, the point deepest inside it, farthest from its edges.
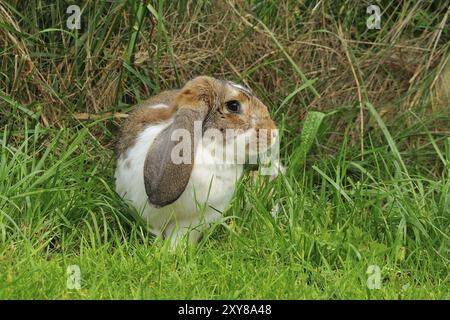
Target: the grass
(365, 139)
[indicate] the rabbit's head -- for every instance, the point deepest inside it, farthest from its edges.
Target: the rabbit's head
(207, 111)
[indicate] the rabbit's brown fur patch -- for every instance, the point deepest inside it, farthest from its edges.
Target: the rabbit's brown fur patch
(143, 116)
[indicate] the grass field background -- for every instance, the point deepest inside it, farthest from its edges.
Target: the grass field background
(365, 124)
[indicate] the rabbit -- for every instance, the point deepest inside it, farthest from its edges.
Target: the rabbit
(180, 199)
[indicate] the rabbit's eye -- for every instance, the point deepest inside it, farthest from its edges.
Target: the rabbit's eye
(233, 106)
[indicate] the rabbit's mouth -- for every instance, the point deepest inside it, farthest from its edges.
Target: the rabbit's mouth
(253, 144)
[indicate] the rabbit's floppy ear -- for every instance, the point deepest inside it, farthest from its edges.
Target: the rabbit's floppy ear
(165, 180)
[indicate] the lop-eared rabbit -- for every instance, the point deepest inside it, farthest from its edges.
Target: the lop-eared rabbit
(170, 172)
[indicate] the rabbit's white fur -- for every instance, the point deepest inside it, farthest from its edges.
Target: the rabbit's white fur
(210, 186)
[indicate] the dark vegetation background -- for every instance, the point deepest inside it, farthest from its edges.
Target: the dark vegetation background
(124, 52)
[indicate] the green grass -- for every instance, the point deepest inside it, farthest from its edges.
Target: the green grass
(343, 205)
(58, 208)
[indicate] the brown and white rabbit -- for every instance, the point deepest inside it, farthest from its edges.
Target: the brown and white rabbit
(176, 198)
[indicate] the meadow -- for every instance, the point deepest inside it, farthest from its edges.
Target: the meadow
(362, 211)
